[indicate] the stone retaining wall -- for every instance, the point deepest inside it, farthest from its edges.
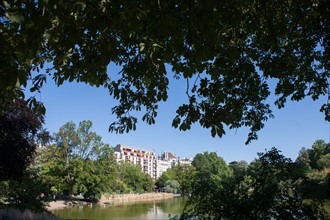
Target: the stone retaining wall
(131, 198)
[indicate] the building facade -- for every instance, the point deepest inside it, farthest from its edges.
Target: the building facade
(148, 161)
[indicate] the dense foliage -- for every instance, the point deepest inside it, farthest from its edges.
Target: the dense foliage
(271, 187)
(314, 169)
(228, 52)
(79, 163)
(20, 132)
(131, 179)
(178, 179)
(24, 193)
(211, 170)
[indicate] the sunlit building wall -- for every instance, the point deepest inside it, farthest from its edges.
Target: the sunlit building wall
(147, 160)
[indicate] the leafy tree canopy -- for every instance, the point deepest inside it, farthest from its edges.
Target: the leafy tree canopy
(172, 186)
(211, 171)
(268, 188)
(183, 174)
(80, 158)
(134, 178)
(239, 167)
(314, 168)
(227, 51)
(316, 156)
(20, 132)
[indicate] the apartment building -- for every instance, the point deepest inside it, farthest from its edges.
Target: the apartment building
(185, 161)
(146, 159)
(165, 162)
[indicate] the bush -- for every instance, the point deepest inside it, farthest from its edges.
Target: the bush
(172, 186)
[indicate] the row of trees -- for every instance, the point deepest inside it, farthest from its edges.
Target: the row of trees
(271, 187)
(76, 162)
(80, 163)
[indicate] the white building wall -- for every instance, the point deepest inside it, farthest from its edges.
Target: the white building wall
(144, 158)
(163, 165)
(148, 160)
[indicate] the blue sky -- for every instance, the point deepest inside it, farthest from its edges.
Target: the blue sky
(297, 125)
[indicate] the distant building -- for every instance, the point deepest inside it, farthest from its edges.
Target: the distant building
(148, 160)
(168, 156)
(185, 161)
(165, 162)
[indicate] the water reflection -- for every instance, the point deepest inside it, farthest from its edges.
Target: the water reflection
(148, 210)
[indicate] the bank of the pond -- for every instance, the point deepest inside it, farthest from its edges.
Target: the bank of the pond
(131, 198)
(118, 199)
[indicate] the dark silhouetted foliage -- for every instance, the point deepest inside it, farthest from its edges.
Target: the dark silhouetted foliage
(230, 54)
(20, 133)
(268, 188)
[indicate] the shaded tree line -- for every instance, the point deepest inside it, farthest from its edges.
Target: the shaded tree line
(270, 187)
(77, 162)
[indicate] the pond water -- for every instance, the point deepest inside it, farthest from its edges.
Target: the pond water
(163, 209)
(157, 210)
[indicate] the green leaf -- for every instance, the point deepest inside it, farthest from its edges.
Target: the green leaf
(16, 17)
(142, 46)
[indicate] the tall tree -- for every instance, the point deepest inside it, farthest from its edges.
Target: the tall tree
(315, 170)
(21, 131)
(80, 150)
(211, 172)
(226, 51)
(66, 139)
(184, 174)
(315, 153)
(96, 176)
